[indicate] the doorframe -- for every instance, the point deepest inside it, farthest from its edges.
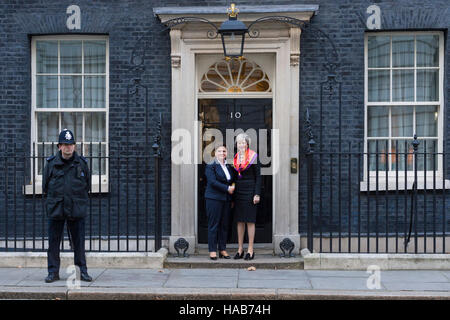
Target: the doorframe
(285, 97)
(270, 70)
(232, 96)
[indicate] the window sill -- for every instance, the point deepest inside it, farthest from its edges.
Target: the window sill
(392, 184)
(38, 188)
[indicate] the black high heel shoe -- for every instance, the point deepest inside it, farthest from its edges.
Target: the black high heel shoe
(249, 257)
(223, 256)
(213, 258)
(239, 256)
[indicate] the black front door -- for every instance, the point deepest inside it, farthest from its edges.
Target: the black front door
(235, 114)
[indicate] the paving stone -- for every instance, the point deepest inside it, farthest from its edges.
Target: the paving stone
(298, 294)
(331, 283)
(275, 283)
(272, 274)
(33, 293)
(446, 274)
(13, 276)
(413, 276)
(222, 283)
(92, 293)
(417, 286)
(37, 278)
(201, 282)
(131, 278)
(206, 272)
(253, 294)
(337, 273)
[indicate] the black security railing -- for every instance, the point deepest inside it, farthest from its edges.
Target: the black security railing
(124, 212)
(391, 197)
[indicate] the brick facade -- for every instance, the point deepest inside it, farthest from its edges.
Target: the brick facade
(131, 23)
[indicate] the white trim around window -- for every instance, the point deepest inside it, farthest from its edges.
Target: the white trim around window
(428, 179)
(100, 113)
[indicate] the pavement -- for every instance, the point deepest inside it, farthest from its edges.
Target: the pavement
(226, 284)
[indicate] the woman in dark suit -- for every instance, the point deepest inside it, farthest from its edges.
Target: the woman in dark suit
(219, 188)
(247, 195)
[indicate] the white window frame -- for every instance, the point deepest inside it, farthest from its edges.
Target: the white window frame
(391, 179)
(237, 83)
(96, 179)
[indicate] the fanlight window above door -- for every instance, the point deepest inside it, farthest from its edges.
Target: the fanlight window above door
(235, 76)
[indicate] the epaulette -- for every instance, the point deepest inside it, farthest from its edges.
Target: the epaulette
(50, 158)
(84, 159)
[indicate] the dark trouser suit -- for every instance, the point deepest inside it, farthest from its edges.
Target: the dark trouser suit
(55, 232)
(218, 213)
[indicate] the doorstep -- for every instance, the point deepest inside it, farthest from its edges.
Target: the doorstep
(261, 261)
(264, 259)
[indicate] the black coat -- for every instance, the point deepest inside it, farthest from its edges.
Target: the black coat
(217, 183)
(249, 184)
(67, 185)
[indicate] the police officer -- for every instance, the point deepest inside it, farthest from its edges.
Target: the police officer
(66, 182)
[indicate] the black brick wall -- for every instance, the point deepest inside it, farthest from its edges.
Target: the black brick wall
(130, 23)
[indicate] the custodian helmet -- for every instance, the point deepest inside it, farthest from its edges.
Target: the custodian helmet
(66, 136)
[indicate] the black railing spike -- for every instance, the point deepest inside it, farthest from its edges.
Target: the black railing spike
(157, 148)
(415, 143)
(157, 155)
(309, 132)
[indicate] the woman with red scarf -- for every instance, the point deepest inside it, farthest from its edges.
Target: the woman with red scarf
(247, 194)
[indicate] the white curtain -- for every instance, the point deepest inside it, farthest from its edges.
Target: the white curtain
(413, 58)
(378, 121)
(427, 85)
(46, 62)
(377, 147)
(379, 57)
(94, 63)
(70, 94)
(402, 121)
(426, 121)
(94, 91)
(70, 56)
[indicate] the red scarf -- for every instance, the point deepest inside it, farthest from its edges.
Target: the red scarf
(250, 157)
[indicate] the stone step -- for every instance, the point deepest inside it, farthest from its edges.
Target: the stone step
(261, 261)
(232, 248)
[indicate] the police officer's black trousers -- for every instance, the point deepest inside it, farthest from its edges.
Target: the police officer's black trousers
(55, 232)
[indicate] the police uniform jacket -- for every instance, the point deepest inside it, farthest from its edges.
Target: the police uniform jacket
(66, 184)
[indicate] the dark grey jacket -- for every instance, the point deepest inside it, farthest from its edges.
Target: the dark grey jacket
(67, 187)
(217, 183)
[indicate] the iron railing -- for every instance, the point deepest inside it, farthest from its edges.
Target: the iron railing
(385, 201)
(122, 208)
(350, 200)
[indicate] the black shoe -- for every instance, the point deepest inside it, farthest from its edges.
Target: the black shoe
(239, 256)
(52, 277)
(223, 256)
(85, 277)
(213, 258)
(249, 257)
